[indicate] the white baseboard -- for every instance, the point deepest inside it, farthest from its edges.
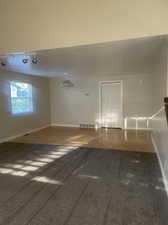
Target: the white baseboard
(160, 163)
(63, 125)
(75, 125)
(22, 134)
(134, 128)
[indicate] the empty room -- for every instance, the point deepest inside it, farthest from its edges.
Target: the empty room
(84, 112)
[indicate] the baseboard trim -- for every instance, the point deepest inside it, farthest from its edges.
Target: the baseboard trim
(75, 125)
(160, 163)
(131, 128)
(64, 125)
(2, 140)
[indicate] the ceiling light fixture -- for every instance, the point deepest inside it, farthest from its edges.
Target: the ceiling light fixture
(67, 83)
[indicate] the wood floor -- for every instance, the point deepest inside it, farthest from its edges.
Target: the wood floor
(56, 185)
(129, 140)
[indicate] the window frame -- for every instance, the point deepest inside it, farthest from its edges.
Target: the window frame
(32, 99)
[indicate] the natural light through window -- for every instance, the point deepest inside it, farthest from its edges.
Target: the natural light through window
(21, 98)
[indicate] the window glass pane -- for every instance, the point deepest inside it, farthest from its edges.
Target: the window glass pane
(21, 97)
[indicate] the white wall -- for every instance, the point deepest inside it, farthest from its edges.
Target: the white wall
(160, 72)
(80, 104)
(158, 122)
(13, 125)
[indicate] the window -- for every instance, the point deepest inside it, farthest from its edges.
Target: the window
(21, 98)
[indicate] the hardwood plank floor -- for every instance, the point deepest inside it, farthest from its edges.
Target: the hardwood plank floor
(129, 140)
(48, 185)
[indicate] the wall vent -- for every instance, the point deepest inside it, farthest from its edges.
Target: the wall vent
(87, 125)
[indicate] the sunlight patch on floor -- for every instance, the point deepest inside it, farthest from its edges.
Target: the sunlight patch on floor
(25, 167)
(46, 180)
(12, 172)
(89, 176)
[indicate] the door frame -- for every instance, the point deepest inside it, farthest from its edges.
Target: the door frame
(100, 99)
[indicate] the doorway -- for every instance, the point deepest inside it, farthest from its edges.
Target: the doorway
(111, 115)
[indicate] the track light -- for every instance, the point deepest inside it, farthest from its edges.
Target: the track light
(3, 64)
(34, 60)
(25, 61)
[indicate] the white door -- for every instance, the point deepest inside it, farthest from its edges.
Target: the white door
(111, 104)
